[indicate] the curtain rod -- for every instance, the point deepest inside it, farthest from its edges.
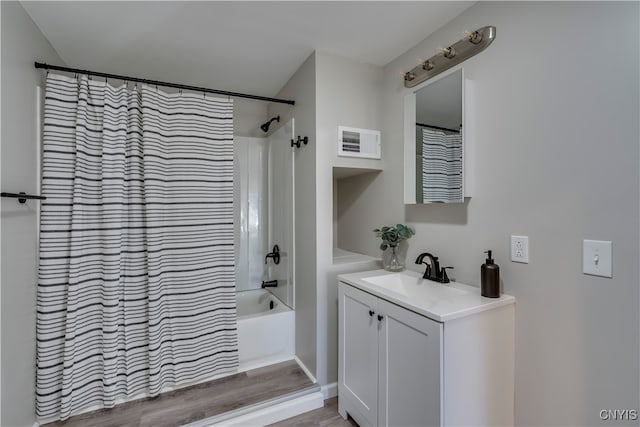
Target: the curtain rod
(165, 84)
(438, 127)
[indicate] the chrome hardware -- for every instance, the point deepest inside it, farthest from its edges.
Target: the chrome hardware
(472, 44)
(448, 52)
(474, 37)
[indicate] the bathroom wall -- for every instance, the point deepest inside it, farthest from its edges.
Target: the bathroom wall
(22, 44)
(348, 93)
(248, 115)
(556, 105)
(301, 87)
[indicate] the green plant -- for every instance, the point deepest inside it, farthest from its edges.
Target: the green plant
(392, 236)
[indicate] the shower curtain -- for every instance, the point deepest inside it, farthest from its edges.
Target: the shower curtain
(136, 287)
(441, 166)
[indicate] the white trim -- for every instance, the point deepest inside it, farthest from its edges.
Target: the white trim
(244, 367)
(306, 371)
(329, 390)
(269, 415)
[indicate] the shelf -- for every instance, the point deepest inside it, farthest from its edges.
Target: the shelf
(342, 256)
(340, 172)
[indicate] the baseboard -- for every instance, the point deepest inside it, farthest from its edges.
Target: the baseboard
(329, 390)
(304, 368)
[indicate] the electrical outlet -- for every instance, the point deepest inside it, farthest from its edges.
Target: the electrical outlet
(520, 249)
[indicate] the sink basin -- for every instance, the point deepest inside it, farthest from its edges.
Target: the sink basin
(414, 286)
(437, 301)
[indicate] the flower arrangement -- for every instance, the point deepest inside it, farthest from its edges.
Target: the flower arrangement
(392, 236)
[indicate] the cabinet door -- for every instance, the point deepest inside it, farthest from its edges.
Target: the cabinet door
(410, 368)
(358, 352)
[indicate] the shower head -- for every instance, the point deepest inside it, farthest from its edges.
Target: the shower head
(265, 126)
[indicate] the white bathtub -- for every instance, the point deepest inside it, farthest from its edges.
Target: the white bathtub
(265, 334)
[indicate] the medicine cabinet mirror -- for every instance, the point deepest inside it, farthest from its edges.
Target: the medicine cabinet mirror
(434, 141)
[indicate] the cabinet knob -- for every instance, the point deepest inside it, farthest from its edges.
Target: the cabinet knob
(380, 317)
(371, 313)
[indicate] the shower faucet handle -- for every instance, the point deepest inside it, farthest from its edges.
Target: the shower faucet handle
(303, 140)
(275, 254)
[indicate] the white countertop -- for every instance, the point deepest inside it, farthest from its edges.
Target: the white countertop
(437, 301)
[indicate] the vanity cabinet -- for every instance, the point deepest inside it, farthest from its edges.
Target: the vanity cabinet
(401, 367)
(390, 359)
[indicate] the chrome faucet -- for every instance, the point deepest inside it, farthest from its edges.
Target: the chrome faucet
(433, 270)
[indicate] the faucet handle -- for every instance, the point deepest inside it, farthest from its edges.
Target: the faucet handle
(445, 278)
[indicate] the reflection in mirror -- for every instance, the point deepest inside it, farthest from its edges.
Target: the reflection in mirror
(438, 153)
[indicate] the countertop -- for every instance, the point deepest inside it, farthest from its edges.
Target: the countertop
(440, 302)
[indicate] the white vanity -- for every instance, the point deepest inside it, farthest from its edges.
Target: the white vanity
(413, 352)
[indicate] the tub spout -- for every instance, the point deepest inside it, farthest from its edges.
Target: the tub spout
(269, 284)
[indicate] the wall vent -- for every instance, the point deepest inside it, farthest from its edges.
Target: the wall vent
(354, 142)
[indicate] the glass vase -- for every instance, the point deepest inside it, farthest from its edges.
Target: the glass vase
(393, 260)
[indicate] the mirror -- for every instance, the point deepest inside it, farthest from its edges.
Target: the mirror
(434, 141)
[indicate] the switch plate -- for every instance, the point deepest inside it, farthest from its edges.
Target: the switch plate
(520, 249)
(596, 258)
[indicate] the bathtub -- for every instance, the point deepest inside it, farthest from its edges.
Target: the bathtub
(265, 329)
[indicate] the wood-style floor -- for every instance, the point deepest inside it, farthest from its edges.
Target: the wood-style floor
(322, 417)
(200, 401)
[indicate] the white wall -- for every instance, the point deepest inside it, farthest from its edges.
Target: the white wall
(556, 100)
(22, 44)
(248, 115)
(302, 89)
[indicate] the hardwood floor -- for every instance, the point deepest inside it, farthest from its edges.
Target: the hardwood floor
(323, 417)
(200, 401)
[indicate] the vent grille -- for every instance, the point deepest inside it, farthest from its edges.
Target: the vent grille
(353, 142)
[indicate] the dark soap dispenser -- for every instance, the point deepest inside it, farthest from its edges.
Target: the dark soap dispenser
(490, 278)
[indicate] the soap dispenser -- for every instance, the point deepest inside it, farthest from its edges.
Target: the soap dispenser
(490, 278)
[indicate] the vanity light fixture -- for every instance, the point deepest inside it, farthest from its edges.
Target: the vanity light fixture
(472, 44)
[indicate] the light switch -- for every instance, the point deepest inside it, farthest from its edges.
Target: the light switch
(596, 258)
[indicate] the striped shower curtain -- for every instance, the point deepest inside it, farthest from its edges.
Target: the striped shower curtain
(441, 166)
(136, 287)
